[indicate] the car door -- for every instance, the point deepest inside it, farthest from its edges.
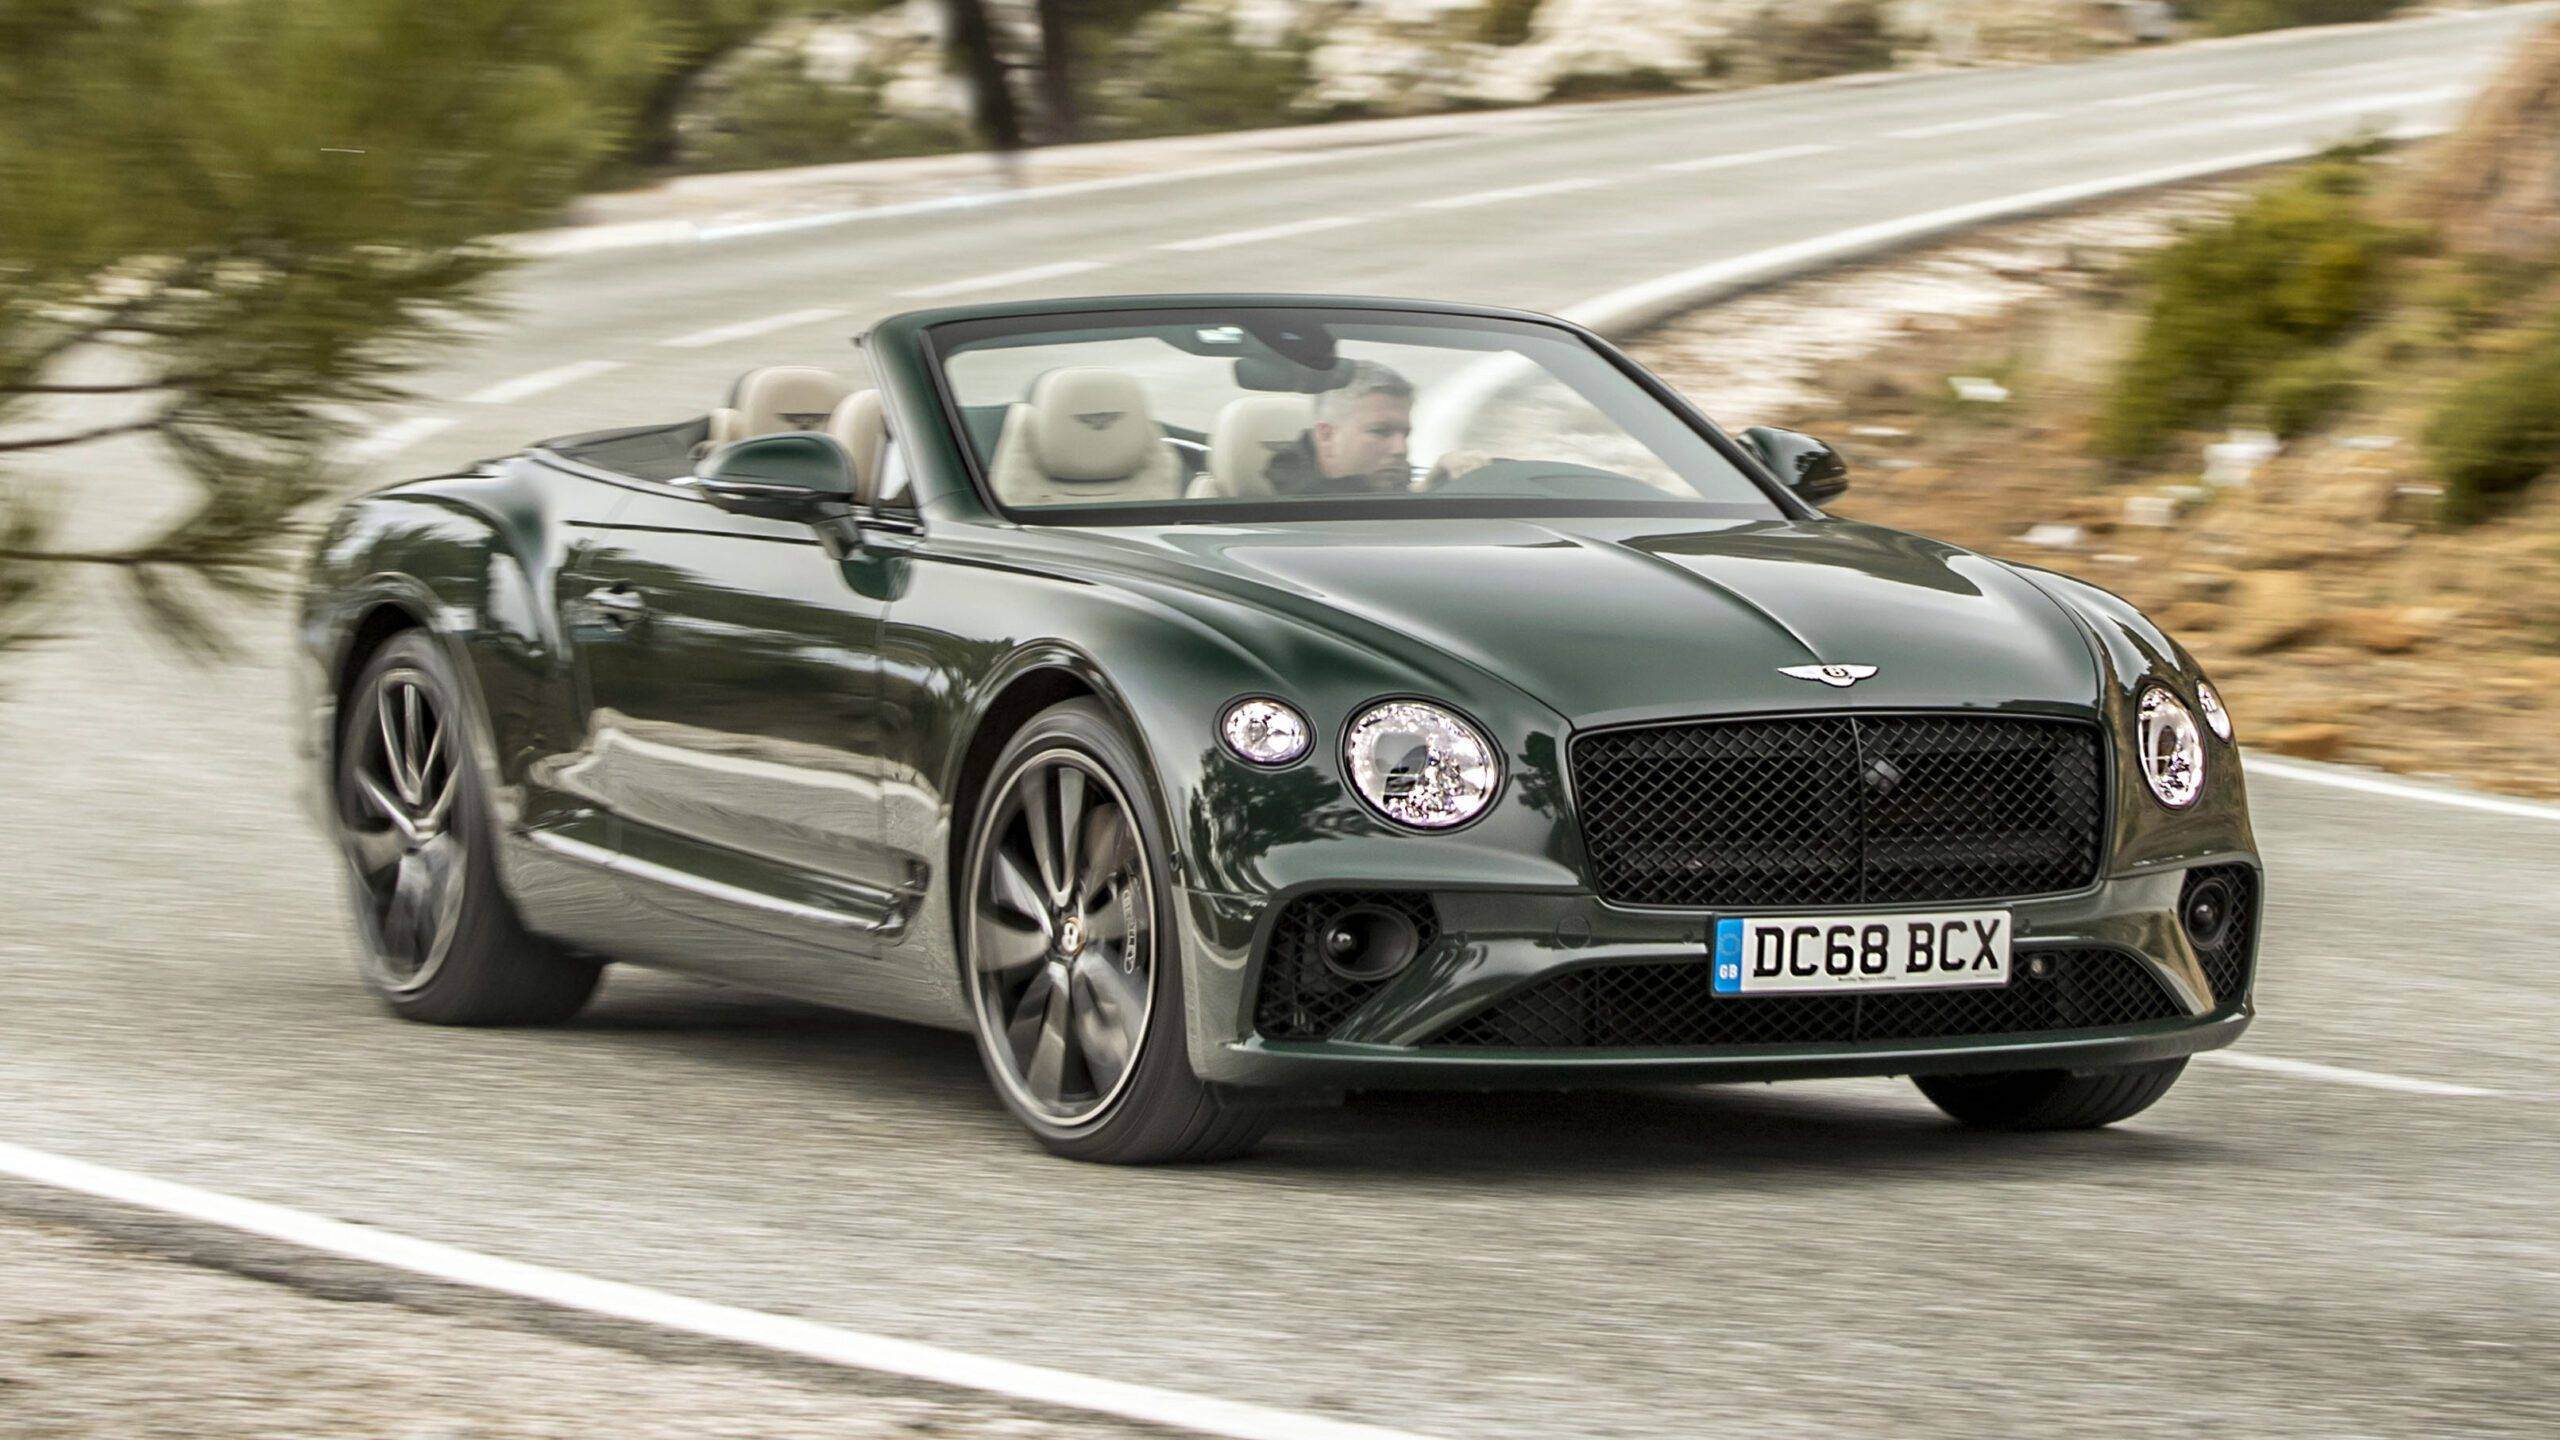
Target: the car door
(729, 670)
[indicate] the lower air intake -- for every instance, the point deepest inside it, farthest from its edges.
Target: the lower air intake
(2230, 955)
(1302, 996)
(1661, 1007)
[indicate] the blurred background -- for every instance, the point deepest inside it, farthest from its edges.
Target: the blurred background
(2248, 310)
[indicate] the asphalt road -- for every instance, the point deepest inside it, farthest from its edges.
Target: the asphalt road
(2283, 1251)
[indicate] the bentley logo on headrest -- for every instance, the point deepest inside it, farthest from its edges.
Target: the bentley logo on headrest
(804, 419)
(1101, 419)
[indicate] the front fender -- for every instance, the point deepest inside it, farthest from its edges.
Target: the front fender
(2133, 654)
(448, 557)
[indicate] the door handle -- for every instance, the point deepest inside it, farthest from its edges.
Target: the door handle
(621, 604)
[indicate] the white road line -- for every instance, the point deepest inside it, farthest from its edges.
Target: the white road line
(2172, 97)
(1747, 157)
(852, 1349)
(1001, 278)
(748, 329)
(2361, 67)
(1624, 310)
(1966, 127)
(1515, 192)
(525, 387)
(393, 438)
(1267, 232)
(2338, 778)
(2339, 1074)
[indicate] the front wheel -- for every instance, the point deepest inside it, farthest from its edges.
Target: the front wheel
(2051, 1099)
(1074, 978)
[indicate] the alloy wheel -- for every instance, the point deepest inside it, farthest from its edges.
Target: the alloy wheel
(399, 775)
(1061, 938)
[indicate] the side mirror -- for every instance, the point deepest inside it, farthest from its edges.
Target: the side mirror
(1805, 465)
(794, 475)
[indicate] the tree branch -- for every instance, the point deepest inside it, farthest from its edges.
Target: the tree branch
(82, 437)
(165, 382)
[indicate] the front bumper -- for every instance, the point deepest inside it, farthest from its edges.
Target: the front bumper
(1495, 945)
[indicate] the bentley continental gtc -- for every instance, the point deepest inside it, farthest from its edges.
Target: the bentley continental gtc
(1218, 704)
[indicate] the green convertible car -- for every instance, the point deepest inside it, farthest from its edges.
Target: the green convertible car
(1219, 703)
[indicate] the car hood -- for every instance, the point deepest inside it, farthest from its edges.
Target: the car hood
(1624, 619)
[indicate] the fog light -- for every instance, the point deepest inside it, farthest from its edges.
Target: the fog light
(1369, 942)
(2207, 914)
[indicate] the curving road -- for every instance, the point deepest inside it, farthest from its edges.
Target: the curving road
(2345, 1229)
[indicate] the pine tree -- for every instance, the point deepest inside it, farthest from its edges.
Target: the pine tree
(224, 223)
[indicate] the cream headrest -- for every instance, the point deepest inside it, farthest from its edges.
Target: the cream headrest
(1249, 434)
(1088, 423)
(785, 397)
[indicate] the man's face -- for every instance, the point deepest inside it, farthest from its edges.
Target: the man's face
(1367, 439)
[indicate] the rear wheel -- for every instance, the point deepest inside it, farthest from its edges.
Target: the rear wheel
(440, 941)
(2051, 1099)
(1074, 978)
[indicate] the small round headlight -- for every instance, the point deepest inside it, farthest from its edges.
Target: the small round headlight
(2214, 715)
(1420, 765)
(2172, 749)
(1264, 732)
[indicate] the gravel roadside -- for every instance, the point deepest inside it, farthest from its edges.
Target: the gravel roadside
(103, 1340)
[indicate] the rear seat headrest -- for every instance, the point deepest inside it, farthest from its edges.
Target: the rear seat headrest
(1248, 435)
(786, 397)
(1087, 423)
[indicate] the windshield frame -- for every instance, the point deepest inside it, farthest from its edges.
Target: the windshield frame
(1192, 311)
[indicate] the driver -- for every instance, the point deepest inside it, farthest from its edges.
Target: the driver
(1357, 443)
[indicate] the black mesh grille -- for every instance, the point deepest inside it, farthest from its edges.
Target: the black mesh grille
(1840, 810)
(2227, 964)
(1648, 1007)
(1299, 998)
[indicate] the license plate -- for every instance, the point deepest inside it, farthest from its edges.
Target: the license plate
(1793, 955)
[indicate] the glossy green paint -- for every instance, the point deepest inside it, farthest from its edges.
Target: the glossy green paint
(756, 769)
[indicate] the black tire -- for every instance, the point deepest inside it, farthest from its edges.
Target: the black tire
(480, 966)
(2051, 1099)
(1160, 1112)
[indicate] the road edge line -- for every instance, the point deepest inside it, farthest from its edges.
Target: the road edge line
(612, 1299)
(2338, 777)
(1629, 310)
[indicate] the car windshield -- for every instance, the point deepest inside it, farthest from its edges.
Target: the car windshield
(1173, 416)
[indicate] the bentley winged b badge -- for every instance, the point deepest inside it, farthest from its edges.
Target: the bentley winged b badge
(1841, 676)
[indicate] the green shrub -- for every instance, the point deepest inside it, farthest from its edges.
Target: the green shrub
(2240, 17)
(2300, 395)
(770, 114)
(1186, 73)
(1839, 39)
(1505, 22)
(2289, 272)
(1594, 84)
(2498, 431)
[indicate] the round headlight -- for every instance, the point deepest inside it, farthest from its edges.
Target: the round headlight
(1420, 765)
(2172, 749)
(2214, 715)
(1264, 732)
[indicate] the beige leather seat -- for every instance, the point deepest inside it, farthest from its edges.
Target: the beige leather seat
(1084, 437)
(1247, 436)
(858, 425)
(776, 398)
